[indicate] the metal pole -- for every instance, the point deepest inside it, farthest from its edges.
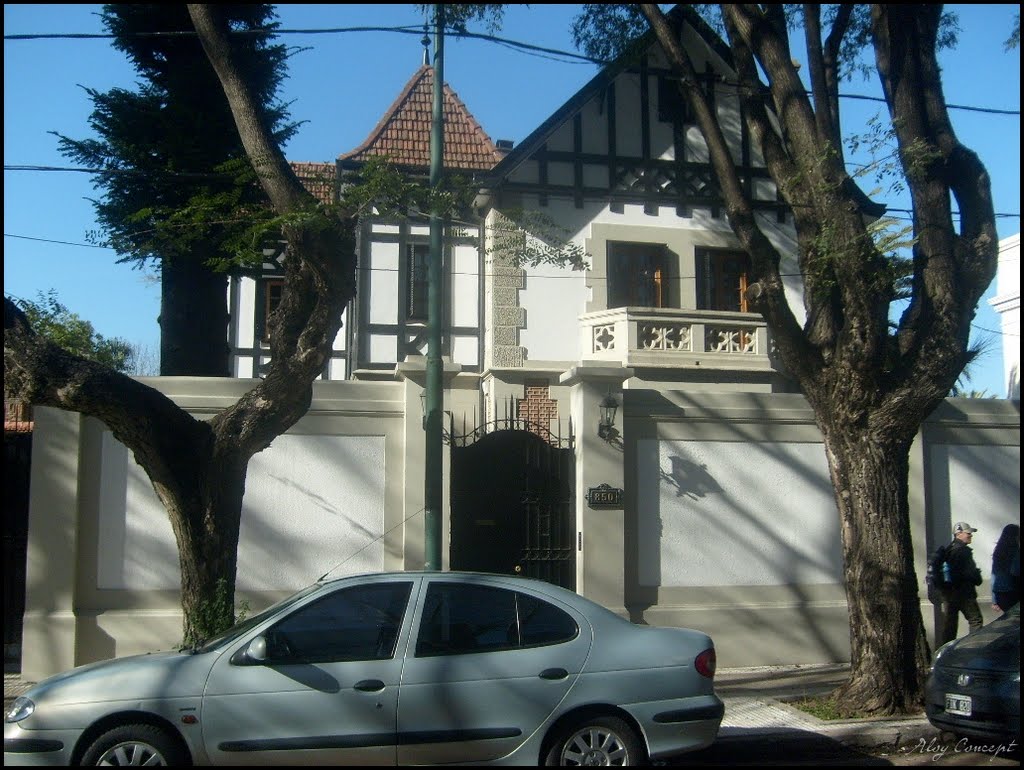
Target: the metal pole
(432, 484)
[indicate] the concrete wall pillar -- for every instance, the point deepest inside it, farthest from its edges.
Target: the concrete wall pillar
(600, 564)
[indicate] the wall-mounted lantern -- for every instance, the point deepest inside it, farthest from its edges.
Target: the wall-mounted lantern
(608, 407)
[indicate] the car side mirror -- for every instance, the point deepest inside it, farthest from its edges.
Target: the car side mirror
(254, 653)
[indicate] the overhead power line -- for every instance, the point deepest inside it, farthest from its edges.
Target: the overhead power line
(515, 44)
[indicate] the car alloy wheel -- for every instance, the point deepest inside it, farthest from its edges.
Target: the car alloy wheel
(595, 742)
(134, 745)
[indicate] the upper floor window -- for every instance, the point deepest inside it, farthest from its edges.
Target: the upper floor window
(272, 291)
(638, 275)
(723, 277)
(417, 259)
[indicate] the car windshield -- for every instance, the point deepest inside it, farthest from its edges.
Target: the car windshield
(216, 642)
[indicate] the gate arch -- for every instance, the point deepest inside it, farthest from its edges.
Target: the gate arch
(512, 503)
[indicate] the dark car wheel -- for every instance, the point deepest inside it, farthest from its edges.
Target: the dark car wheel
(135, 745)
(595, 741)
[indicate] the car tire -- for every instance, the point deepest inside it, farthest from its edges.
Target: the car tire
(136, 745)
(595, 740)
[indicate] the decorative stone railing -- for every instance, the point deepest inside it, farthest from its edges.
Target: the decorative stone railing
(707, 339)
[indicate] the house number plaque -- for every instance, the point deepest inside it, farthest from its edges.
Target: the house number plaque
(604, 496)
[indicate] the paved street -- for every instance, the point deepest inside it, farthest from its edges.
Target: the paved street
(800, 748)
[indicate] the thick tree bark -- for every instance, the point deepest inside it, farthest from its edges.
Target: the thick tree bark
(889, 652)
(870, 389)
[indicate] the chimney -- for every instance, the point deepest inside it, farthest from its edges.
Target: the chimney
(504, 146)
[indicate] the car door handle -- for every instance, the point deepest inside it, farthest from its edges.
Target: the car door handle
(554, 673)
(369, 685)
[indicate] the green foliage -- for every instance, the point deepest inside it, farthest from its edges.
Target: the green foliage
(522, 237)
(958, 392)
(174, 176)
(531, 238)
(213, 615)
(607, 31)
(379, 186)
(458, 17)
(1013, 41)
(52, 320)
(828, 708)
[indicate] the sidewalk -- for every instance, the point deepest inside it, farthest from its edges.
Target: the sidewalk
(755, 706)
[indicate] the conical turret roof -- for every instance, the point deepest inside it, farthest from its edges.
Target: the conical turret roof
(403, 133)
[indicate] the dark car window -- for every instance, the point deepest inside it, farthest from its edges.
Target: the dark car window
(359, 623)
(459, 619)
(543, 623)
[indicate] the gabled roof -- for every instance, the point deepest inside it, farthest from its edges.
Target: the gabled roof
(527, 147)
(678, 15)
(403, 133)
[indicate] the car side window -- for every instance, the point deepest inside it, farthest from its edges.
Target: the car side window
(358, 623)
(543, 623)
(459, 618)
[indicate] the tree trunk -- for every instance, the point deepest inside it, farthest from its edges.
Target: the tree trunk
(889, 651)
(193, 319)
(206, 527)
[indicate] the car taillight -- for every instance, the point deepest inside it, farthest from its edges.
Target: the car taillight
(705, 663)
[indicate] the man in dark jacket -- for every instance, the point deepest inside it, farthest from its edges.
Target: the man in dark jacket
(961, 594)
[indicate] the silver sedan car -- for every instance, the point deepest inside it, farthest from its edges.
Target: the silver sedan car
(390, 669)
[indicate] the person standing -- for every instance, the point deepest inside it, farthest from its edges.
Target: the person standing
(1006, 569)
(961, 595)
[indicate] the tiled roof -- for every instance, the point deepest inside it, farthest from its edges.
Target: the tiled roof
(403, 134)
(318, 178)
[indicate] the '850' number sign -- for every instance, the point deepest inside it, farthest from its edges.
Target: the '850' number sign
(604, 496)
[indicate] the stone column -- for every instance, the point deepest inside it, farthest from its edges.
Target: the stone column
(413, 372)
(600, 564)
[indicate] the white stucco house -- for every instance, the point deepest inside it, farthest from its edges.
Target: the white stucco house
(1007, 304)
(706, 502)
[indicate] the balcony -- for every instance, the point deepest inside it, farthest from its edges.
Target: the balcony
(677, 339)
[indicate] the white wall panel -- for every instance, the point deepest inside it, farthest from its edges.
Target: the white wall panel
(976, 484)
(383, 283)
(554, 298)
(465, 287)
(311, 502)
(725, 513)
(383, 349)
(465, 351)
(245, 312)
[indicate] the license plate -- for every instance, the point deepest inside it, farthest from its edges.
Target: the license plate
(958, 704)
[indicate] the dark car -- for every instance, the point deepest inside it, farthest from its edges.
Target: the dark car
(974, 687)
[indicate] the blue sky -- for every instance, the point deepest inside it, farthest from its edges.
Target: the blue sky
(339, 85)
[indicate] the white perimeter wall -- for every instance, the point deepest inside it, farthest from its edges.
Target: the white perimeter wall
(311, 503)
(731, 514)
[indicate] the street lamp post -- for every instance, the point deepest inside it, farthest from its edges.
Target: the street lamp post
(433, 457)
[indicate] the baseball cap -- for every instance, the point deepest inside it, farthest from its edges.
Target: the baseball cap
(963, 526)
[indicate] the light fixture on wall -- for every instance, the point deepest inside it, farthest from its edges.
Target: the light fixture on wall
(606, 425)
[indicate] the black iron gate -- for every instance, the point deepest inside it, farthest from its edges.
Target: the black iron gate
(512, 502)
(17, 465)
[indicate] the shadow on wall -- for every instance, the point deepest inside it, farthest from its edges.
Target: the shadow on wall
(690, 479)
